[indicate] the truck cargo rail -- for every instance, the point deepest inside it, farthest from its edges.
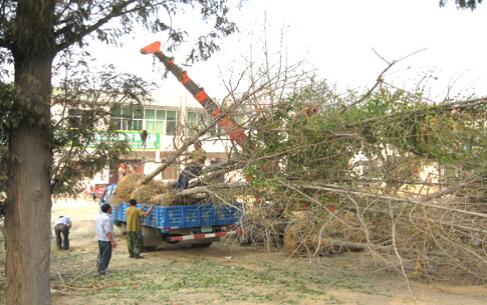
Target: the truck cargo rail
(166, 218)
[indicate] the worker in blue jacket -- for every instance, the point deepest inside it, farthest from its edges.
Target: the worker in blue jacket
(107, 194)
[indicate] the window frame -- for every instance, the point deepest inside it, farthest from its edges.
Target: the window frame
(203, 118)
(160, 122)
(127, 118)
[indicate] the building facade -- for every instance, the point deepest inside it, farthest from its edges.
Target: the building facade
(167, 122)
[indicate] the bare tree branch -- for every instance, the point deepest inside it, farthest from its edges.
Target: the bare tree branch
(380, 78)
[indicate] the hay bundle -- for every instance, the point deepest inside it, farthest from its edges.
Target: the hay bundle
(315, 233)
(145, 192)
(116, 200)
(168, 198)
(125, 187)
(297, 235)
(165, 199)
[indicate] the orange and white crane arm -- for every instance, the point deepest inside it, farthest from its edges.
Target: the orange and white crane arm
(232, 129)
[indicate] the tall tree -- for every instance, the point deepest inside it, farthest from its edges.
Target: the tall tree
(471, 4)
(32, 33)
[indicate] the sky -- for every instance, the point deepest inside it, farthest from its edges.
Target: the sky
(336, 39)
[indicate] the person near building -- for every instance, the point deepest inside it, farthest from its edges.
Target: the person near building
(61, 228)
(122, 170)
(196, 162)
(108, 193)
(105, 237)
(93, 192)
(134, 228)
(130, 169)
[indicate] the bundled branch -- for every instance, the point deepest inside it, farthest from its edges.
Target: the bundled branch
(389, 173)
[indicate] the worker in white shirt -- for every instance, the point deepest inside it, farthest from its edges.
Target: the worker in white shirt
(105, 237)
(62, 226)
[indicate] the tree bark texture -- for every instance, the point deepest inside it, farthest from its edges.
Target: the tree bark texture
(28, 206)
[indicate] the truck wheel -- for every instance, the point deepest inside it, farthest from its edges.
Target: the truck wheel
(201, 245)
(149, 248)
(120, 228)
(151, 238)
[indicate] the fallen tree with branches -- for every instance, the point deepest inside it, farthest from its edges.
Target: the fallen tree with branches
(393, 174)
(387, 171)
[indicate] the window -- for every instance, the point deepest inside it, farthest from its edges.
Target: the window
(127, 117)
(162, 121)
(194, 120)
(77, 117)
(74, 117)
(197, 120)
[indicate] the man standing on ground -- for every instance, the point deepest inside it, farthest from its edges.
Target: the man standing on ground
(106, 238)
(62, 226)
(134, 228)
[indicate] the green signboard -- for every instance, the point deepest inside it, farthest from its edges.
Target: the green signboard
(153, 141)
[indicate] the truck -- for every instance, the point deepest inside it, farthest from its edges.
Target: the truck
(201, 224)
(198, 225)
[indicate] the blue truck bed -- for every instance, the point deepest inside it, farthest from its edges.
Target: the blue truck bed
(165, 218)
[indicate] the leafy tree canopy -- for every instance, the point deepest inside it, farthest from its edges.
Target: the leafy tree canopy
(314, 139)
(73, 22)
(470, 4)
(107, 21)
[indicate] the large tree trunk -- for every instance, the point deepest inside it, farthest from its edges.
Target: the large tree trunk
(28, 206)
(27, 220)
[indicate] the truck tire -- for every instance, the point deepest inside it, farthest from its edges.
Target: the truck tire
(151, 238)
(149, 248)
(120, 228)
(201, 245)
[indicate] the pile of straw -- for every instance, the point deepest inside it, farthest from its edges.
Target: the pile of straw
(144, 193)
(168, 199)
(125, 186)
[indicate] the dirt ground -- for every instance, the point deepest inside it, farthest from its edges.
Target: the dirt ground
(226, 273)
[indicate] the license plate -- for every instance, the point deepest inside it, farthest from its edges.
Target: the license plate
(206, 229)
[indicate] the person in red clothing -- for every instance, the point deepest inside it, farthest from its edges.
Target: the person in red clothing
(122, 170)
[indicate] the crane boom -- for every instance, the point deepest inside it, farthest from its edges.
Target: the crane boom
(232, 129)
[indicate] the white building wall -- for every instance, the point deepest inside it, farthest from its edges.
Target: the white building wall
(168, 143)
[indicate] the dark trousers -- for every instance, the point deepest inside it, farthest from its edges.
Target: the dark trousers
(134, 243)
(104, 256)
(190, 172)
(62, 242)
